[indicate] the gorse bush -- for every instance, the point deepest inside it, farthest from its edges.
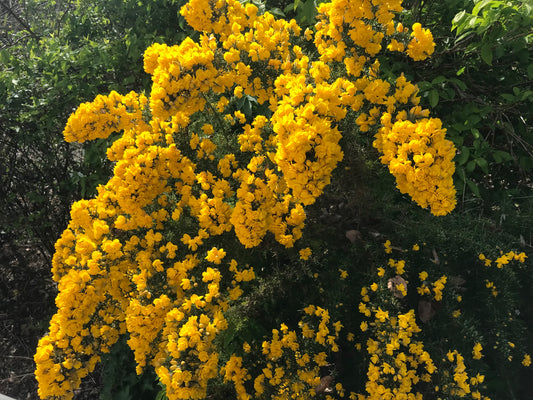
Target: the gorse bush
(240, 135)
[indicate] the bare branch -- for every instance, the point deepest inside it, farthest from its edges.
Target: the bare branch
(19, 20)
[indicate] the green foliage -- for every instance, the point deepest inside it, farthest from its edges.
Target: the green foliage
(448, 247)
(478, 82)
(89, 46)
(120, 381)
(305, 11)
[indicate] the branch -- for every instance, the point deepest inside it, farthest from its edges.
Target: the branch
(63, 16)
(20, 20)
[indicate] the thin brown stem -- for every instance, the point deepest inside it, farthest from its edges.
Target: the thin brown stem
(19, 20)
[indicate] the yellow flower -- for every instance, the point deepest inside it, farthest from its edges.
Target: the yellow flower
(215, 255)
(422, 45)
(246, 347)
(305, 253)
(363, 309)
(526, 362)
(502, 260)
(520, 257)
(382, 315)
(477, 351)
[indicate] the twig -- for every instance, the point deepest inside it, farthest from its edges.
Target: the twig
(11, 378)
(19, 357)
(20, 21)
(63, 16)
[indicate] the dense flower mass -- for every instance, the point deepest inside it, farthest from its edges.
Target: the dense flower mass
(420, 158)
(144, 257)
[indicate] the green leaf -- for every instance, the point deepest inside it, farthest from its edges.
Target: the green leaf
(433, 98)
(483, 164)
(457, 140)
(289, 8)
(472, 120)
(463, 156)
(473, 187)
(530, 71)
(161, 395)
(247, 108)
(479, 6)
(461, 174)
(277, 12)
(296, 3)
(460, 127)
(501, 156)
(309, 10)
(423, 86)
(486, 54)
(450, 93)
(439, 79)
(526, 163)
(471, 166)
(526, 95)
(458, 20)
(507, 96)
(4, 57)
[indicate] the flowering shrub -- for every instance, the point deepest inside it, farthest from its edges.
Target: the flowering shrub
(239, 134)
(398, 361)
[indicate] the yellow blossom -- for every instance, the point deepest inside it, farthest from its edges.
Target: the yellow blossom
(526, 362)
(305, 253)
(215, 255)
(477, 351)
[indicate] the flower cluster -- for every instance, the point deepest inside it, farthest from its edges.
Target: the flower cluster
(504, 259)
(105, 115)
(290, 363)
(437, 286)
(460, 384)
(420, 158)
(146, 257)
(399, 364)
(397, 360)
